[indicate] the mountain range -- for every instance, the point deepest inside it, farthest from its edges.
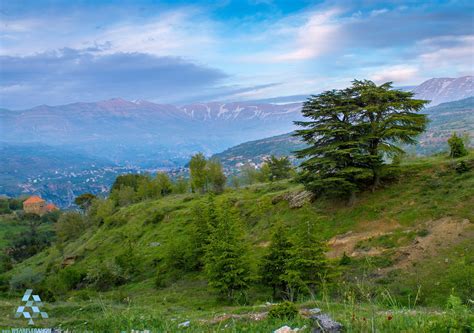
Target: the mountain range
(444, 119)
(44, 149)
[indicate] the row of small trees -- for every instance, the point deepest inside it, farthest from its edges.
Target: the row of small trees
(217, 245)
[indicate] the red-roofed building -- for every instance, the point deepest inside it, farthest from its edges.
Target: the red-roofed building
(51, 207)
(36, 205)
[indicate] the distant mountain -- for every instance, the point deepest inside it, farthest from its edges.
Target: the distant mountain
(444, 119)
(149, 135)
(146, 133)
(441, 90)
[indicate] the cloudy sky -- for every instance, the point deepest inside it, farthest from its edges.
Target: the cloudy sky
(55, 52)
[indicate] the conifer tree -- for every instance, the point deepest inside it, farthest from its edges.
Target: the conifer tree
(279, 167)
(456, 146)
(226, 264)
(275, 262)
(350, 131)
(387, 117)
(334, 161)
(308, 266)
(199, 234)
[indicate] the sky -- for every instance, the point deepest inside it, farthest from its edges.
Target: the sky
(58, 52)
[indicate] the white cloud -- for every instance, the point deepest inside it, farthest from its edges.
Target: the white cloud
(400, 74)
(317, 36)
(455, 52)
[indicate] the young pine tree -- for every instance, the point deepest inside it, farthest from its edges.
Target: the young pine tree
(275, 262)
(308, 267)
(226, 260)
(456, 145)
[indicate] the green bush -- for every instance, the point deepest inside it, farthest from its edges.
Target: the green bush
(105, 277)
(462, 167)
(285, 310)
(71, 277)
(25, 279)
(456, 144)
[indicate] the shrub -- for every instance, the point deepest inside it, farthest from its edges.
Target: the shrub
(105, 276)
(71, 277)
(285, 310)
(25, 279)
(70, 226)
(462, 167)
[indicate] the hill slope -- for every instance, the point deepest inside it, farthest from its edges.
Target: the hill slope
(415, 231)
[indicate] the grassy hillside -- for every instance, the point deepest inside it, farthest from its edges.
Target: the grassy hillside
(410, 245)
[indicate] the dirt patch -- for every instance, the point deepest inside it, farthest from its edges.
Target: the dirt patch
(444, 232)
(441, 233)
(347, 242)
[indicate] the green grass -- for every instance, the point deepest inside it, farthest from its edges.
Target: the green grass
(428, 189)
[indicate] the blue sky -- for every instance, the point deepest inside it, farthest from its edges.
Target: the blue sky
(57, 52)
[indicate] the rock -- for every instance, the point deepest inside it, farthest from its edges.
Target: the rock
(287, 329)
(314, 311)
(185, 324)
(68, 261)
(295, 199)
(322, 323)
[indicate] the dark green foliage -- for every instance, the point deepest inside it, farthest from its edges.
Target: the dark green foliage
(275, 262)
(5, 263)
(203, 217)
(4, 206)
(226, 260)
(51, 217)
(215, 176)
(308, 268)
(181, 185)
(197, 170)
(31, 242)
(70, 225)
(130, 180)
(462, 167)
(123, 196)
(105, 276)
(84, 201)
(164, 184)
(285, 310)
(206, 175)
(71, 277)
(350, 131)
(345, 260)
(128, 261)
(456, 145)
(280, 168)
(15, 203)
(27, 278)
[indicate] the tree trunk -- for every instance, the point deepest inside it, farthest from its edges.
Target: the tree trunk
(376, 179)
(352, 199)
